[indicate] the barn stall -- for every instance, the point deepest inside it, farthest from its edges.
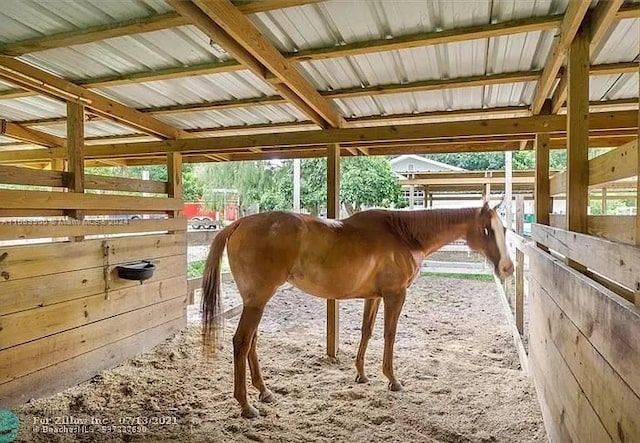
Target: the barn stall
(152, 82)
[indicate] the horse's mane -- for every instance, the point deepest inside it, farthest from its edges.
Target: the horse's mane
(415, 228)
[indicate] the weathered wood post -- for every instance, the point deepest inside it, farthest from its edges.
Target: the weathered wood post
(333, 211)
(75, 153)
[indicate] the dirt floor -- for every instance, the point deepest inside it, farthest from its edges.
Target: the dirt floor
(454, 356)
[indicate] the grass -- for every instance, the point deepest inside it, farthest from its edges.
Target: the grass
(479, 277)
(195, 269)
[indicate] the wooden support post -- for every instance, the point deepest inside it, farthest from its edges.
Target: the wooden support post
(605, 203)
(542, 197)
(174, 179)
(578, 134)
(75, 149)
(412, 192)
(637, 294)
(333, 211)
(508, 188)
(519, 302)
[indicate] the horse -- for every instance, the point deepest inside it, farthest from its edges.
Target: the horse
(374, 255)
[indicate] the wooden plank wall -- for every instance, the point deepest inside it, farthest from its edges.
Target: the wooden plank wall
(82, 318)
(584, 343)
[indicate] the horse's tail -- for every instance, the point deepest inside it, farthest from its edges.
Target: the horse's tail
(211, 307)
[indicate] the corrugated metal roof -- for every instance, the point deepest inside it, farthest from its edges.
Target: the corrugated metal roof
(196, 89)
(28, 108)
(622, 43)
(334, 22)
(99, 128)
(319, 25)
(27, 19)
(446, 100)
(181, 46)
(255, 115)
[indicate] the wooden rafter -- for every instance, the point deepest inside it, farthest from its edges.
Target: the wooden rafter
(525, 127)
(573, 17)
(600, 20)
(94, 33)
(28, 135)
(36, 79)
(432, 38)
(427, 85)
(242, 31)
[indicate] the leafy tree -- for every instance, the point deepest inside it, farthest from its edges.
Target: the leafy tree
(365, 181)
(191, 186)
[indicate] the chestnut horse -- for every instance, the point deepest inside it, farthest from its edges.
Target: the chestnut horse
(374, 255)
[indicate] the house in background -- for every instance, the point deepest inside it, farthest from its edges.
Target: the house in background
(405, 166)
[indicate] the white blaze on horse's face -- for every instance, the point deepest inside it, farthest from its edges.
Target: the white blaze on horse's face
(505, 265)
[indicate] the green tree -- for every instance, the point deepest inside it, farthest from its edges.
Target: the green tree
(365, 181)
(191, 186)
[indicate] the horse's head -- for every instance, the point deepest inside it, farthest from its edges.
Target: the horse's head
(487, 235)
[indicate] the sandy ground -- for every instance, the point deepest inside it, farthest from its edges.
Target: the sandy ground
(454, 356)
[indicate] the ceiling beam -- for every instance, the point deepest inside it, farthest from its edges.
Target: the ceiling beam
(628, 11)
(269, 5)
(573, 17)
(33, 78)
(94, 33)
(601, 20)
(28, 135)
(359, 136)
(436, 84)
(431, 38)
(242, 31)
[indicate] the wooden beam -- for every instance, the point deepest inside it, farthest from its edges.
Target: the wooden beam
(600, 21)
(628, 11)
(436, 85)
(570, 23)
(432, 38)
(333, 212)
(75, 155)
(269, 5)
(526, 126)
(240, 29)
(542, 195)
(578, 132)
(198, 18)
(12, 199)
(28, 135)
(38, 80)
(94, 33)
(174, 182)
(75, 146)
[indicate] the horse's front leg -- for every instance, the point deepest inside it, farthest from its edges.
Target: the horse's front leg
(392, 307)
(368, 320)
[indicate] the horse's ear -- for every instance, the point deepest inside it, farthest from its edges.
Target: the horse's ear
(499, 205)
(485, 208)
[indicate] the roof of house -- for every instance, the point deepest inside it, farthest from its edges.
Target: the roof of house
(429, 163)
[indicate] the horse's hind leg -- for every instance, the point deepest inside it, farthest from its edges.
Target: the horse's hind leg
(242, 339)
(368, 320)
(256, 375)
(392, 307)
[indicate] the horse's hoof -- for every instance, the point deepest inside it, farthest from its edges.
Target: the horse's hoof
(395, 386)
(250, 412)
(266, 396)
(362, 379)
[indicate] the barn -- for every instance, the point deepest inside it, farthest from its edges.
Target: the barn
(170, 82)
